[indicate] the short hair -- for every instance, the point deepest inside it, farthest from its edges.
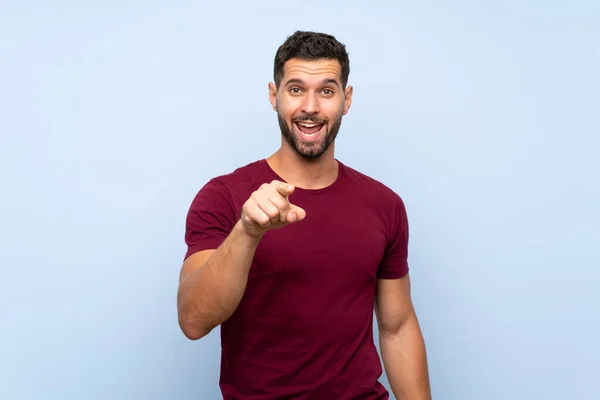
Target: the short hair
(308, 45)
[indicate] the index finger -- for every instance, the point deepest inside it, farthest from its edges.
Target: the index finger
(283, 188)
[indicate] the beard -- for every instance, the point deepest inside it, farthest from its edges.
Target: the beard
(310, 150)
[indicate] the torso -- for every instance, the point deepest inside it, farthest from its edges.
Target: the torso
(304, 325)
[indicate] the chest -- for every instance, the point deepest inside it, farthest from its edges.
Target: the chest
(341, 242)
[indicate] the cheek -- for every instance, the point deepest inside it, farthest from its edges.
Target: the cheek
(286, 110)
(333, 111)
(290, 115)
(290, 105)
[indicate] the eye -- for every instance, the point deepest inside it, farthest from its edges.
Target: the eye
(295, 90)
(327, 92)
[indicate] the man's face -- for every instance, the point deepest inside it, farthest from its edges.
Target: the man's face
(310, 103)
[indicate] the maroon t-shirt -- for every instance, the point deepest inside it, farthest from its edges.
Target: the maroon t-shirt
(304, 327)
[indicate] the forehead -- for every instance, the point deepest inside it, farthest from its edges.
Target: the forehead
(307, 70)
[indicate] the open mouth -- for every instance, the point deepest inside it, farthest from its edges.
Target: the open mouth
(309, 130)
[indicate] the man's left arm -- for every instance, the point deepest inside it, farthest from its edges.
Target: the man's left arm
(401, 341)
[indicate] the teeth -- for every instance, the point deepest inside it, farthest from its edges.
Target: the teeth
(307, 125)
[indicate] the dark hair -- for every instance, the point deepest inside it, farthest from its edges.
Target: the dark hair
(311, 46)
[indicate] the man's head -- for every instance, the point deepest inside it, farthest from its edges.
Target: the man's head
(310, 93)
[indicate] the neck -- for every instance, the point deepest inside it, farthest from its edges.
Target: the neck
(304, 173)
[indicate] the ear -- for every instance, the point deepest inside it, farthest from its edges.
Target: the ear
(273, 95)
(348, 98)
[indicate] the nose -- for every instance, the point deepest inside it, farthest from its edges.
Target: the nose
(311, 103)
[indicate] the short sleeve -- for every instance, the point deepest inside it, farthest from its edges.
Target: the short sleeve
(395, 261)
(210, 219)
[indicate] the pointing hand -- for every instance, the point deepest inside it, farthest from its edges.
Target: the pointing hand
(269, 208)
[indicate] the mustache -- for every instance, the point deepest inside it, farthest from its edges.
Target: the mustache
(308, 118)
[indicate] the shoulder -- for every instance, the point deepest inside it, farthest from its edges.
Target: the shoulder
(371, 188)
(233, 187)
(386, 205)
(244, 173)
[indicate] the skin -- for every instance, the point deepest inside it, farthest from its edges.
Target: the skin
(401, 341)
(212, 282)
(309, 89)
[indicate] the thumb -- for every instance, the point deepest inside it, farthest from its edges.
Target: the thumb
(295, 214)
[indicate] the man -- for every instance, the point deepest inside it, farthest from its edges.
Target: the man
(291, 254)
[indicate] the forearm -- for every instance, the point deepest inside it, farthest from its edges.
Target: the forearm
(209, 295)
(405, 361)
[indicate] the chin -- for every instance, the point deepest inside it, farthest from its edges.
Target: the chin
(312, 151)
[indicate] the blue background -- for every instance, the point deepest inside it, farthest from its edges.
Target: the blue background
(483, 117)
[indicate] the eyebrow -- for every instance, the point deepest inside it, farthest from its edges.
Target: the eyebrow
(324, 82)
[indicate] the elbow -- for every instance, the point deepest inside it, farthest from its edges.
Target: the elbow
(388, 334)
(193, 321)
(193, 331)
(193, 326)
(397, 328)
(194, 334)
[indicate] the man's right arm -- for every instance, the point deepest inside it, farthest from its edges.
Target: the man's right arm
(212, 282)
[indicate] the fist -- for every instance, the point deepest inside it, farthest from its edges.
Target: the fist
(269, 208)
